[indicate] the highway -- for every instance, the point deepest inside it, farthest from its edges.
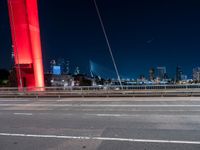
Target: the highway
(151, 123)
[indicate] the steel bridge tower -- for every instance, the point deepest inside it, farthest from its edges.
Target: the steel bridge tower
(25, 30)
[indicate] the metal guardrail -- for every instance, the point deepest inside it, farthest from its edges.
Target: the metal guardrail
(103, 91)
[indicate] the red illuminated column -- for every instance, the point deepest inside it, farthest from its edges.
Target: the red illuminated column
(34, 29)
(25, 31)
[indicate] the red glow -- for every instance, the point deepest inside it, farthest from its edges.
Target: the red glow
(26, 40)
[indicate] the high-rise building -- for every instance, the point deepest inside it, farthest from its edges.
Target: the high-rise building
(183, 77)
(67, 67)
(61, 63)
(179, 73)
(161, 73)
(151, 74)
(196, 74)
(52, 64)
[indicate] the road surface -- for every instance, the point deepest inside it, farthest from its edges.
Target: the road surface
(100, 124)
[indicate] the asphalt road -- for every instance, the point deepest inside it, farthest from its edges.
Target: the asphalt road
(100, 124)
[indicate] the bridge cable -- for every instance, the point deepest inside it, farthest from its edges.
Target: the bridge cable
(108, 43)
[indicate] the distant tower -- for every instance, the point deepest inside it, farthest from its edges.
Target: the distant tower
(77, 71)
(196, 74)
(91, 67)
(67, 67)
(178, 73)
(151, 74)
(52, 63)
(161, 73)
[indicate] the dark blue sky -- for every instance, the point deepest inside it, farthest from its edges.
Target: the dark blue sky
(142, 34)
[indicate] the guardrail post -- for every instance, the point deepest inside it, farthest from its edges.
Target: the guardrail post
(145, 89)
(82, 94)
(165, 91)
(107, 91)
(191, 93)
(37, 95)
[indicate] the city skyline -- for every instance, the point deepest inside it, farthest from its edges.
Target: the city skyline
(142, 34)
(62, 66)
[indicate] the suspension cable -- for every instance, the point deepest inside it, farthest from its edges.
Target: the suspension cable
(108, 43)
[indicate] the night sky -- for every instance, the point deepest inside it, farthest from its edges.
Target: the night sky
(142, 34)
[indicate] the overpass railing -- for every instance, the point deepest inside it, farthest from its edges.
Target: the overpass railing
(103, 91)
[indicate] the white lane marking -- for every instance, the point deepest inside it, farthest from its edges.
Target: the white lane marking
(15, 100)
(113, 115)
(109, 115)
(102, 138)
(26, 114)
(96, 105)
(143, 110)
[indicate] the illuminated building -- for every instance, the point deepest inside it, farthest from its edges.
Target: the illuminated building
(196, 74)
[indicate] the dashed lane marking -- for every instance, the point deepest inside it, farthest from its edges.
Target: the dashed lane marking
(25, 114)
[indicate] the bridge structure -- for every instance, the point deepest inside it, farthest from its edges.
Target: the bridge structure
(25, 30)
(26, 41)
